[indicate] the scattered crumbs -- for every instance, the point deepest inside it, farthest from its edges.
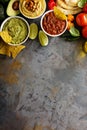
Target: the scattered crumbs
(80, 54)
(27, 127)
(47, 128)
(12, 79)
(70, 128)
(38, 127)
(10, 75)
(54, 91)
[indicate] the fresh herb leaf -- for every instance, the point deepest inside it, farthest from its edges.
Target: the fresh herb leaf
(74, 32)
(68, 37)
(81, 3)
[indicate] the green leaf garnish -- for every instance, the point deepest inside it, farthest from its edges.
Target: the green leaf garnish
(81, 3)
(74, 32)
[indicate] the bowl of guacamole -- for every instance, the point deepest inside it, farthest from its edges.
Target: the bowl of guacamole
(18, 28)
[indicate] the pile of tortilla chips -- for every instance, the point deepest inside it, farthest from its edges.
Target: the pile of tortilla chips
(5, 48)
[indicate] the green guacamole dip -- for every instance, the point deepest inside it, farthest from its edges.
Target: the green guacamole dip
(17, 29)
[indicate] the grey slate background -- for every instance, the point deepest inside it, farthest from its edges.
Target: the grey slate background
(44, 85)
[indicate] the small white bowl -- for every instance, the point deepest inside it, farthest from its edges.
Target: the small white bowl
(51, 35)
(27, 15)
(27, 26)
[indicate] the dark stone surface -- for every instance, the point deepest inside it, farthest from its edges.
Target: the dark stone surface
(44, 85)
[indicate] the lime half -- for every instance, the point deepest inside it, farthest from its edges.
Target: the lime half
(74, 32)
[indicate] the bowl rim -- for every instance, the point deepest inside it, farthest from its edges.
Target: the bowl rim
(48, 11)
(32, 17)
(27, 24)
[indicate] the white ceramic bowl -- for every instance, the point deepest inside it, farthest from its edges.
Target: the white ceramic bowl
(26, 24)
(27, 15)
(49, 34)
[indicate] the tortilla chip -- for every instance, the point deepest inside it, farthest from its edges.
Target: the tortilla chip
(9, 50)
(4, 51)
(5, 36)
(4, 48)
(16, 50)
(1, 43)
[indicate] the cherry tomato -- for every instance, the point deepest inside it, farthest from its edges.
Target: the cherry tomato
(85, 8)
(51, 4)
(84, 31)
(81, 19)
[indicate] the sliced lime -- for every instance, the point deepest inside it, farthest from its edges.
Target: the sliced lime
(33, 31)
(43, 38)
(74, 32)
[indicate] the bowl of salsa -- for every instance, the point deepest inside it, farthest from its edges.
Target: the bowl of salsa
(52, 25)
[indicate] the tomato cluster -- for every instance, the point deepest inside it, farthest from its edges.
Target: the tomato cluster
(81, 20)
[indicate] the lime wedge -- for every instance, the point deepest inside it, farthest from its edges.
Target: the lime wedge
(74, 32)
(43, 38)
(33, 31)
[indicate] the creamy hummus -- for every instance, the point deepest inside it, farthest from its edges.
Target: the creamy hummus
(17, 29)
(32, 8)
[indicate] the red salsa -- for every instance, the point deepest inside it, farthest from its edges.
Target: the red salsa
(52, 24)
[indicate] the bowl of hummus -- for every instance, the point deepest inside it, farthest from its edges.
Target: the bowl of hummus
(18, 28)
(32, 9)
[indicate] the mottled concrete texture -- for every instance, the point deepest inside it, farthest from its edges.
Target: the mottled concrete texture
(45, 86)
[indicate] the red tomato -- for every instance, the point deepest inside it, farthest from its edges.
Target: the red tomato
(81, 19)
(85, 8)
(84, 31)
(51, 4)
